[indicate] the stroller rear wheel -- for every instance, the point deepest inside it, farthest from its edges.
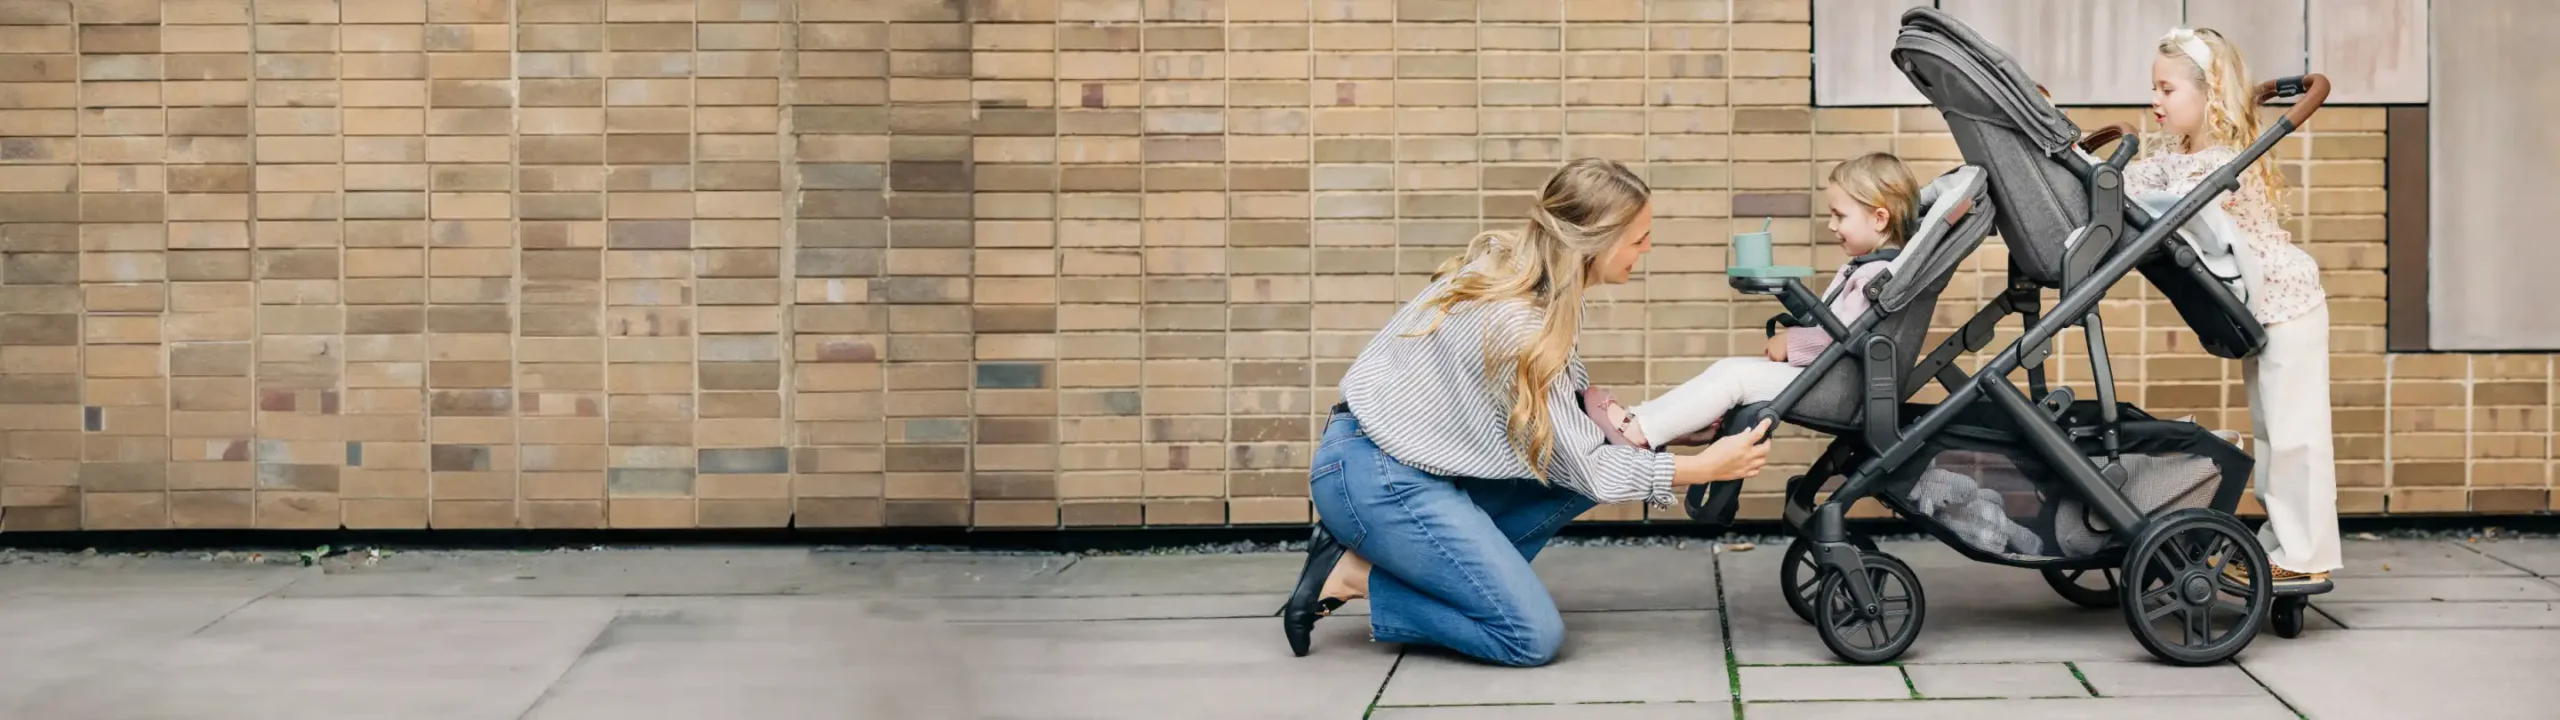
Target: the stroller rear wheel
(2067, 583)
(2179, 595)
(1802, 577)
(1877, 634)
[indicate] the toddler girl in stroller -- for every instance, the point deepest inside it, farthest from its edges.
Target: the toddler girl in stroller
(1870, 200)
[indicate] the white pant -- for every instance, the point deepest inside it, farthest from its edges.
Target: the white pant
(2297, 469)
(1730, 383)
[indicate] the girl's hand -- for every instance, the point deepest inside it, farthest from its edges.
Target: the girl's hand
(1776, 349)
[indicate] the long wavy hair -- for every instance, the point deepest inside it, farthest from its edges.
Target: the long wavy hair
(2231, 108)
(1547, 264)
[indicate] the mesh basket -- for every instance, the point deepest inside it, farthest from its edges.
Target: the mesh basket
(1980, 485)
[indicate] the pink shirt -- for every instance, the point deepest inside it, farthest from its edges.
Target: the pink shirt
(1849, 302)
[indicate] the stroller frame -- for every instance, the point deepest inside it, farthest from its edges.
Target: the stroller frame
(2058, 430)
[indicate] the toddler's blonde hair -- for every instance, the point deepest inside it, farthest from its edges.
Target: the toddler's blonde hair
(1880, 180)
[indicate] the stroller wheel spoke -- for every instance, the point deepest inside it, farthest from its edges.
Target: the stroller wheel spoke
(2199, 624)
(2164, 610)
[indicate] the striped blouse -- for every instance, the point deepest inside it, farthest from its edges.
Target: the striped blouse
(1427, 402)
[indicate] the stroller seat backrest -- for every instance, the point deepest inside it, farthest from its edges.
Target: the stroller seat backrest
(1956, 213)
(2000, 121)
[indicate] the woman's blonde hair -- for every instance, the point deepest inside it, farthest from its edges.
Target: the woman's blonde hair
(1880, 180)
(1576, 218)
(2230, 105)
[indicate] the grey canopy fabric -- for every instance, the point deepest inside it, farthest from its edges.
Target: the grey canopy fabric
(2009, 97)
(2003, 124)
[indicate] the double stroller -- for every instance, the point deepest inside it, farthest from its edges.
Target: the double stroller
(2079, 489)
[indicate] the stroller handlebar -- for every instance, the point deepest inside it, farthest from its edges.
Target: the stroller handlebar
(2312, 88)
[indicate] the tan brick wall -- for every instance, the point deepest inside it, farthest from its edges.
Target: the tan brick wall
(1004, 263)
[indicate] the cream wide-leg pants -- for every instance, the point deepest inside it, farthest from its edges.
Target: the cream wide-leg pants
(2297, 470)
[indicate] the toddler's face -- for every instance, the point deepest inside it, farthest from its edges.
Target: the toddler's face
(1860, 228)
(2177, 101)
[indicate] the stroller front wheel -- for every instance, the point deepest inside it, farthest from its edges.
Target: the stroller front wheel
(2195, 588)
(1802, 577)
(1871, 635)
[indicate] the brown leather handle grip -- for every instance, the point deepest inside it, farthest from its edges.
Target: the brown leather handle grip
(2100, 137)
(2314, 89)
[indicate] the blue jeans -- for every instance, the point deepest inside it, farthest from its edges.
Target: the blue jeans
(1451, 555)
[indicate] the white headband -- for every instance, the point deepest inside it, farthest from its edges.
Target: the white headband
(2194, 47)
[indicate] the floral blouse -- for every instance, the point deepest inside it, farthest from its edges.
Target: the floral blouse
(2289, 280)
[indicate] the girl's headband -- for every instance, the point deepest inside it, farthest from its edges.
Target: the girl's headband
(2194, 47)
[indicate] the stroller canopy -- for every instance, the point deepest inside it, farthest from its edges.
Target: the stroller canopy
(1999, 91)
(2002, 123)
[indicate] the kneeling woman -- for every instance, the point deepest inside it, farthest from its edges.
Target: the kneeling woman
(1463, 444)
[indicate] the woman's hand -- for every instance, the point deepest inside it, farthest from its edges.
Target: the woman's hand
(1733, 458)
(1776, 349)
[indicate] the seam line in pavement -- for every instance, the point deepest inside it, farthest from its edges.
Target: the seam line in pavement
(583, 653)
(1724, 630)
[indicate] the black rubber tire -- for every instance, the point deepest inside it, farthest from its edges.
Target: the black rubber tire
(1857, 640)
(2067, 584)
(2288, 616)
(2172, 553)
(1798, 561)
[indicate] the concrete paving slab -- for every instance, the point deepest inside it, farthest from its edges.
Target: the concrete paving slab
(2418, 558)
(1830, 682)
(2408, 616)
(2258, 708)
(712, 658)
(391, 658)
(1996, 680)
(1171, 669)
(50, 638)
(1630, 578)
(127, 575)
(2440, 589)
(2395, 675)
(683, 572)
(1266, 573)
(1614, 711)
(2541, 556)
(1607, 657)
(2155, 679)
(1077, 609)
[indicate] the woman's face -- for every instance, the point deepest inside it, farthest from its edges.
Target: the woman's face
(1618, 263)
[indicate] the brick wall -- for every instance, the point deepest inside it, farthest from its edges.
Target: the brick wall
(1003, 263)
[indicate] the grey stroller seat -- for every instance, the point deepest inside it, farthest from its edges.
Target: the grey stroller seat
(2037, 479)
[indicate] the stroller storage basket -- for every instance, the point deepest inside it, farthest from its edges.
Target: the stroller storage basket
(1979, 487)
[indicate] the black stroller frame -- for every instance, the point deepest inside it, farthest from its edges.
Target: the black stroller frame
(2174, 563)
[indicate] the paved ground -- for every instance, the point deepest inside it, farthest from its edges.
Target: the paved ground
(2417, 629)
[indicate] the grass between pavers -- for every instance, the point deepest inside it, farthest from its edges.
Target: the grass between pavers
(2083, 678)
(1382, 686)
(1724, 629)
